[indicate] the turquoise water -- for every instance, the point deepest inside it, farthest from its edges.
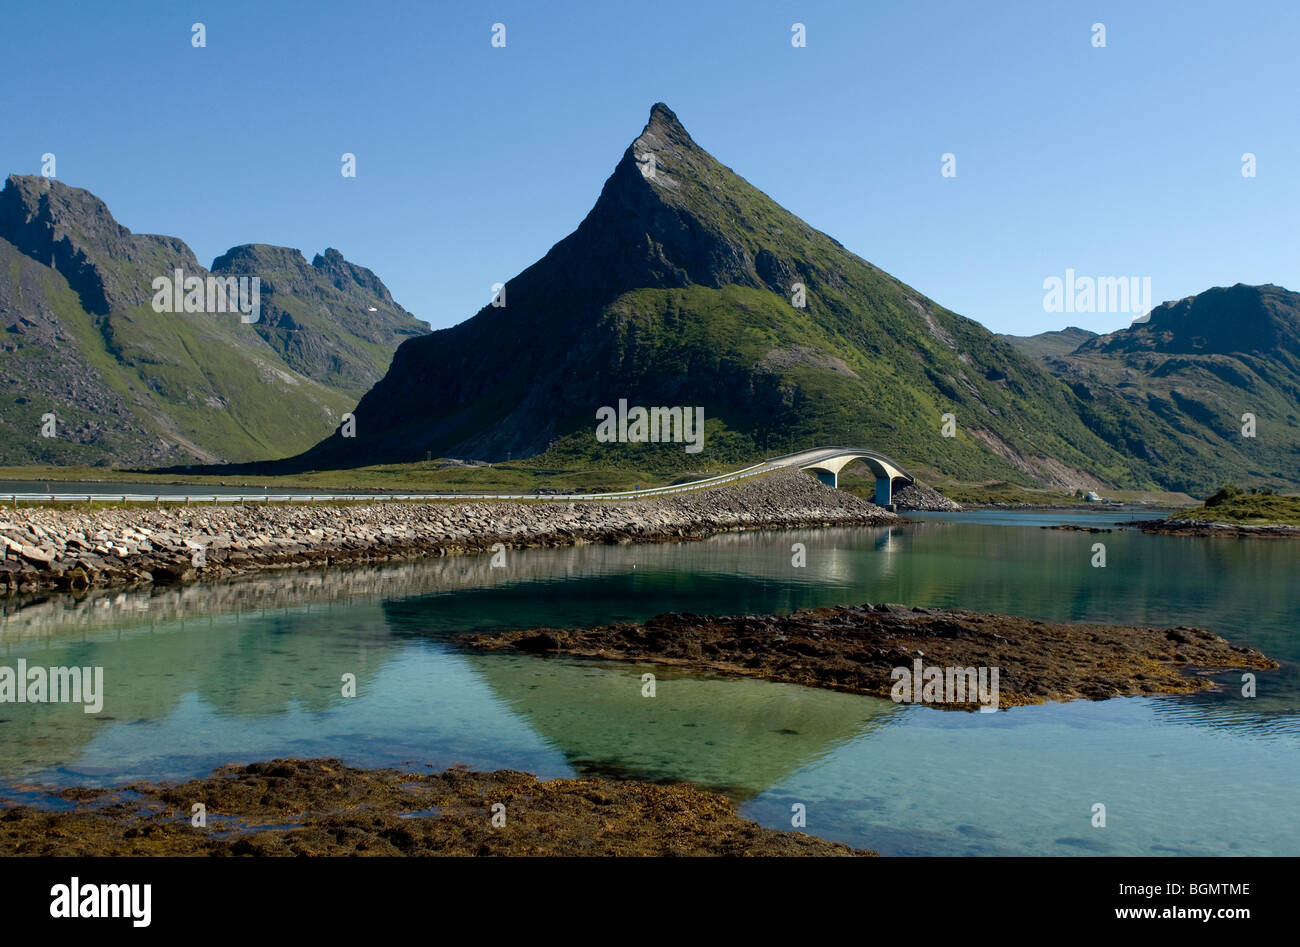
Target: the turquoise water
(206, 675)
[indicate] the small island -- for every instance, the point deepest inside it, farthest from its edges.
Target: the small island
(1232, 511)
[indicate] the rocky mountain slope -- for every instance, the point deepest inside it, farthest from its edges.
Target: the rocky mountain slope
(1175, 390)
(79, 339)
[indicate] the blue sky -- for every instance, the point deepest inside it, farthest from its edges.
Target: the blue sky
(472, 160)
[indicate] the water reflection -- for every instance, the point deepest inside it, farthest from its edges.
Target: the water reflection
(736, 736)
(205, 674)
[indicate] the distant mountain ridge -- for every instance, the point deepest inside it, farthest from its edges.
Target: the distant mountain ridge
(128, 385)
(1060, 342)
(1185, 389)
(1235, 320)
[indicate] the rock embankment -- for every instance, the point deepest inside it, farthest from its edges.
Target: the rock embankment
(858, 649)
(65, 549)
(322, 807)
(918, 497)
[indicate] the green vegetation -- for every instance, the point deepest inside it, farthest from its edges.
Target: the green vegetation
(416, 477)
(676, 290)
(1232, 504)
(1002, 491)
(1050, 344)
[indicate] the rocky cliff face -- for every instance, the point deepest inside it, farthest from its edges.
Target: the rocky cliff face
(72, 231)
(1239, 320)
(331, 320)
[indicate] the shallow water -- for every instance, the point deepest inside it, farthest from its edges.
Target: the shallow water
(206, 675)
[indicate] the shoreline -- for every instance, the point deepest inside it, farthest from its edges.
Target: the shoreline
(46, 550)
(856, 649)
(1100, 509)
(1204, 528)
(321, 807)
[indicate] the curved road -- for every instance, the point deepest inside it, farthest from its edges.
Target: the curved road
(833, 457)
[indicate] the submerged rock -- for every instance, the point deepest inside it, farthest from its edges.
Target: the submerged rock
(860, 648)
(322, 807)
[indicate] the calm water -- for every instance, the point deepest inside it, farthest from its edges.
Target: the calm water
(206, 675)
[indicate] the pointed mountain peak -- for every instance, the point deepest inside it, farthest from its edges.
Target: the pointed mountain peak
(665, 120)
(663, 135)
(671, 214)
(330, 259)
(663, 145)
(344, 272)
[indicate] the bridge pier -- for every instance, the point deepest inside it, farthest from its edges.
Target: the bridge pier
(884, 491)
(829, 477)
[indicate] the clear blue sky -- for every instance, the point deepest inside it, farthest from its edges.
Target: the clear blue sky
(472, 161)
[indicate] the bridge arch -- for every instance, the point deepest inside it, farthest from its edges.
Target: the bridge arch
(827, 462)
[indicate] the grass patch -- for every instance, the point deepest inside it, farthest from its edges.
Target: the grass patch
(1002, 491)
(425, 477)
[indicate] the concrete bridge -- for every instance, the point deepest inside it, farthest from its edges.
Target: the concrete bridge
(827, 462)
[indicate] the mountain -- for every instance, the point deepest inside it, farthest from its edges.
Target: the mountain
(1173, 390)
(684, 286)
(1046, 344)
(130, 385)
(332, 320)
(678, 289)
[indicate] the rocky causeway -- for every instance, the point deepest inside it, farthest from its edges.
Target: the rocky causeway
(44, 549)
